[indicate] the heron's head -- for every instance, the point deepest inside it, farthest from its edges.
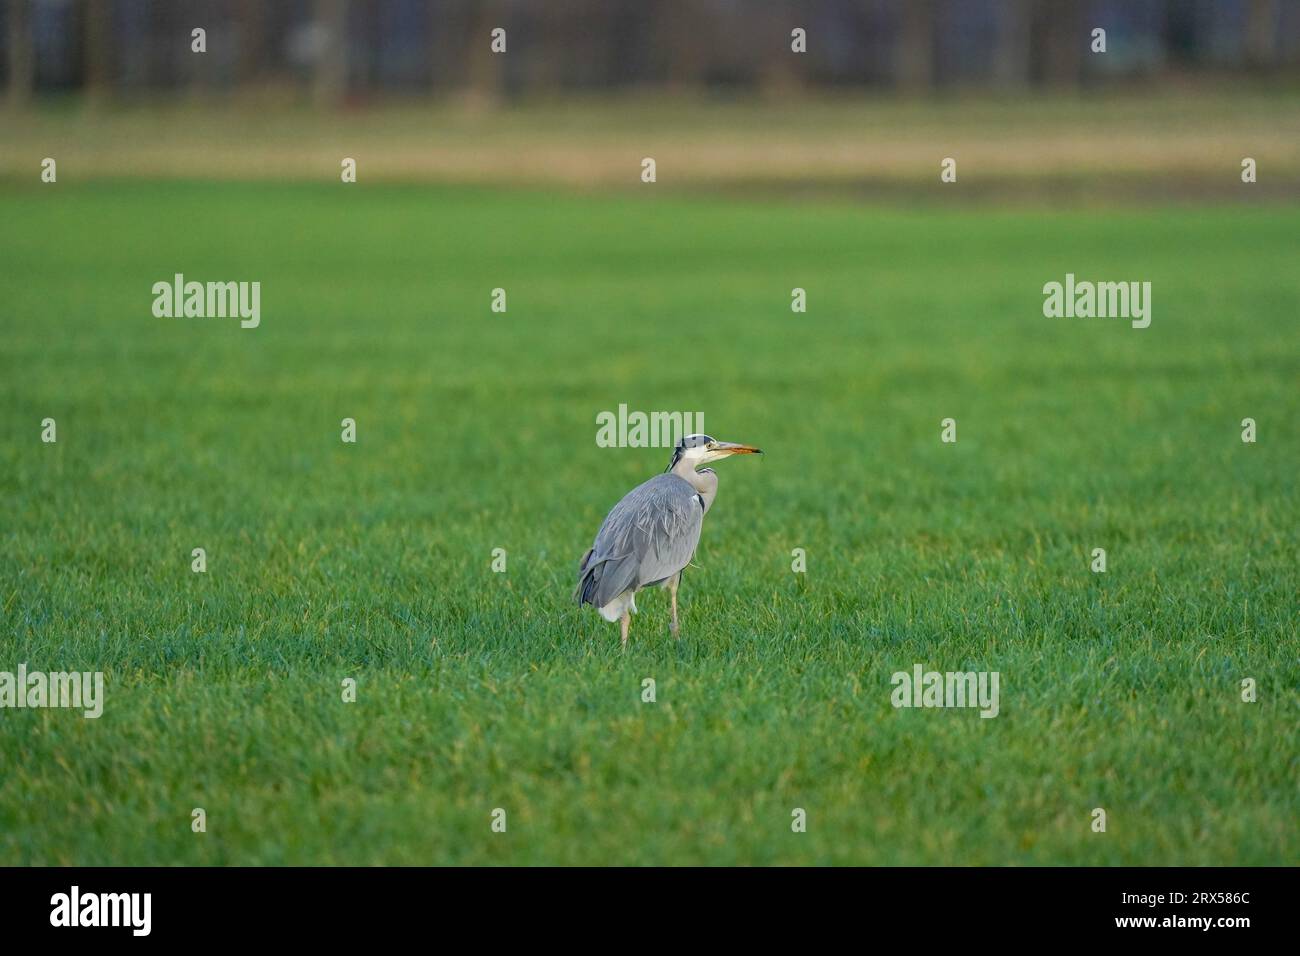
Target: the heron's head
(698, 450)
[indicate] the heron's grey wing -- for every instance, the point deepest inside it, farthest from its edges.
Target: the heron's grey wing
(666, 531)
(648, 536)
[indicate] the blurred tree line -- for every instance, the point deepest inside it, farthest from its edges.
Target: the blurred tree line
(333, 50)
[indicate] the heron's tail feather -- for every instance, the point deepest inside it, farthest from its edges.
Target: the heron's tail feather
(581, 593)
(599, 582)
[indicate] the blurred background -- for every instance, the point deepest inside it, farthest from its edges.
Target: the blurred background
(335, 50)
(710, 88)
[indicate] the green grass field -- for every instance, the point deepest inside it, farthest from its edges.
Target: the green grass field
(476, 431)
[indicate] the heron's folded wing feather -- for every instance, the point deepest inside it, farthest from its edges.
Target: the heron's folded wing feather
(648, 536)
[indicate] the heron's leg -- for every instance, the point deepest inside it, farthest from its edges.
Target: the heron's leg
(672, 590)
(627, 619)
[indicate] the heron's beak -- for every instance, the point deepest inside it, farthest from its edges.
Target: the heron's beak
(731, 448)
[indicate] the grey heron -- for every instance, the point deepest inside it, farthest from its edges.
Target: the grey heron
(651, 535)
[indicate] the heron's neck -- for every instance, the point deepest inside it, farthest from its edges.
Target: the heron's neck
(705, 485)
(684, 469)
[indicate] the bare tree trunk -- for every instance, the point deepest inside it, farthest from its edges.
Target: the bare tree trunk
(485, 73)
(683, 30)
(203, 66)
(252, 42)
(915, 59)
(1261, 43)
(558, 30)
(443, 23)
(331, 76)
(1067, 39)
(781, 70)
(1012, 55)
(22, 54)
(98, 52)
